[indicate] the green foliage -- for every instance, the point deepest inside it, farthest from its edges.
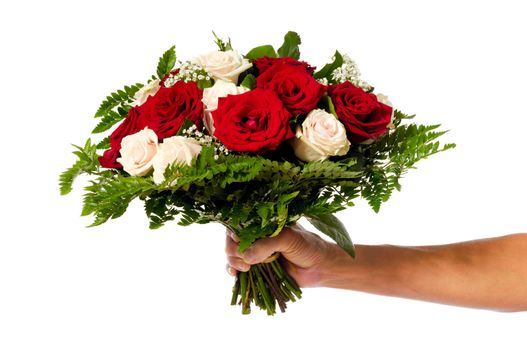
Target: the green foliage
(108, 121)
(399, 116)
(104, 143)
(390, 157)
(120, 98)
(87, 162)
(204, 83)
(249, 81)
(166, 62)
(290, 46)
(254, 195)
(222, 45)
(328, 69)
(160, 209)
(109, 195)
(330, 225)
(261, 51)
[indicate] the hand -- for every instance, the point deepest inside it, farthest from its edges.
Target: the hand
(307, 256)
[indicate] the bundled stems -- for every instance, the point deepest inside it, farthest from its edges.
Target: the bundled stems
(266, 285)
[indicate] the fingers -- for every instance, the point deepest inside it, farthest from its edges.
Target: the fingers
(234, 259)
(263, 248)
(238, 264)
(230, 270)
(259, 251)
(232, 235)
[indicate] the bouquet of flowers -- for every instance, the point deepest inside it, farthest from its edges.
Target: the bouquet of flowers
(254, 142)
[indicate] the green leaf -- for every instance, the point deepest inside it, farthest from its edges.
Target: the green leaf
(67, 177)
(222, 45)
(119, 97)
(326, 71)
(109, 197)
(290, 46)
(204, 83)
(104, 143)
(249, 81)
(393, 154)
(107, 122)
(166, 62)
(261, 51)
(330, 225)
(87, 163)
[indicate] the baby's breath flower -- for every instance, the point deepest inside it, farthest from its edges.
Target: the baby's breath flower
(323, 81)
(207, 141)
(189, 71)
(349, 71)
(170, 80)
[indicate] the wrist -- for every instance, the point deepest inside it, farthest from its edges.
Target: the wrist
(339, 269)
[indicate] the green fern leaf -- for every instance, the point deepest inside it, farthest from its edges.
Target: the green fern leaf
(109, 120)
(117, 98)
(166, 62)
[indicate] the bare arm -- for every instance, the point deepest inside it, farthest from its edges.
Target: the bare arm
(488, 273)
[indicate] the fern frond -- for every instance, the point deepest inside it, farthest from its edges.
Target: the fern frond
(117, 98)
(87, 163)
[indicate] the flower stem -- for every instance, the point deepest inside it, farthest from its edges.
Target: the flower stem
(265, 285)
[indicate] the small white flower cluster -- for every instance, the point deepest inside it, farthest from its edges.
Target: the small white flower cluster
(323, 81)
(349, 71)
(207, 140)
(188, 71)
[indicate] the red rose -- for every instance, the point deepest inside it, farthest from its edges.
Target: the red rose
(164, 113)
(361, 113)
(134, 122)
(169, 107)
(298, 90)
(255, 121)
(109, 158)
(266, 62)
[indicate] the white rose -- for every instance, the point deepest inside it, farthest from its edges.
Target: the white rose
(137, 152)
(224, 65)
(210, 99)
(143, 93)
(174, 149)
(384, 99)
(320, 137)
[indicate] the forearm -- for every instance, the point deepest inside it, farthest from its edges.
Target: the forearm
(489, 273)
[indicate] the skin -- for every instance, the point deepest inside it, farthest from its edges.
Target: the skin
(487, 273)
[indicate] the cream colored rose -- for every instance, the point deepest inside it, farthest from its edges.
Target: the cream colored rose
(174, 149)
(210, 99)
(224, 65)
(143, 93)
(320, 137)
(138, 151)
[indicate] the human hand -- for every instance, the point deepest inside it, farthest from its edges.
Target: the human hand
(307, 256)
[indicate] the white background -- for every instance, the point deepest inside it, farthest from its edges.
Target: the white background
(122, 286)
